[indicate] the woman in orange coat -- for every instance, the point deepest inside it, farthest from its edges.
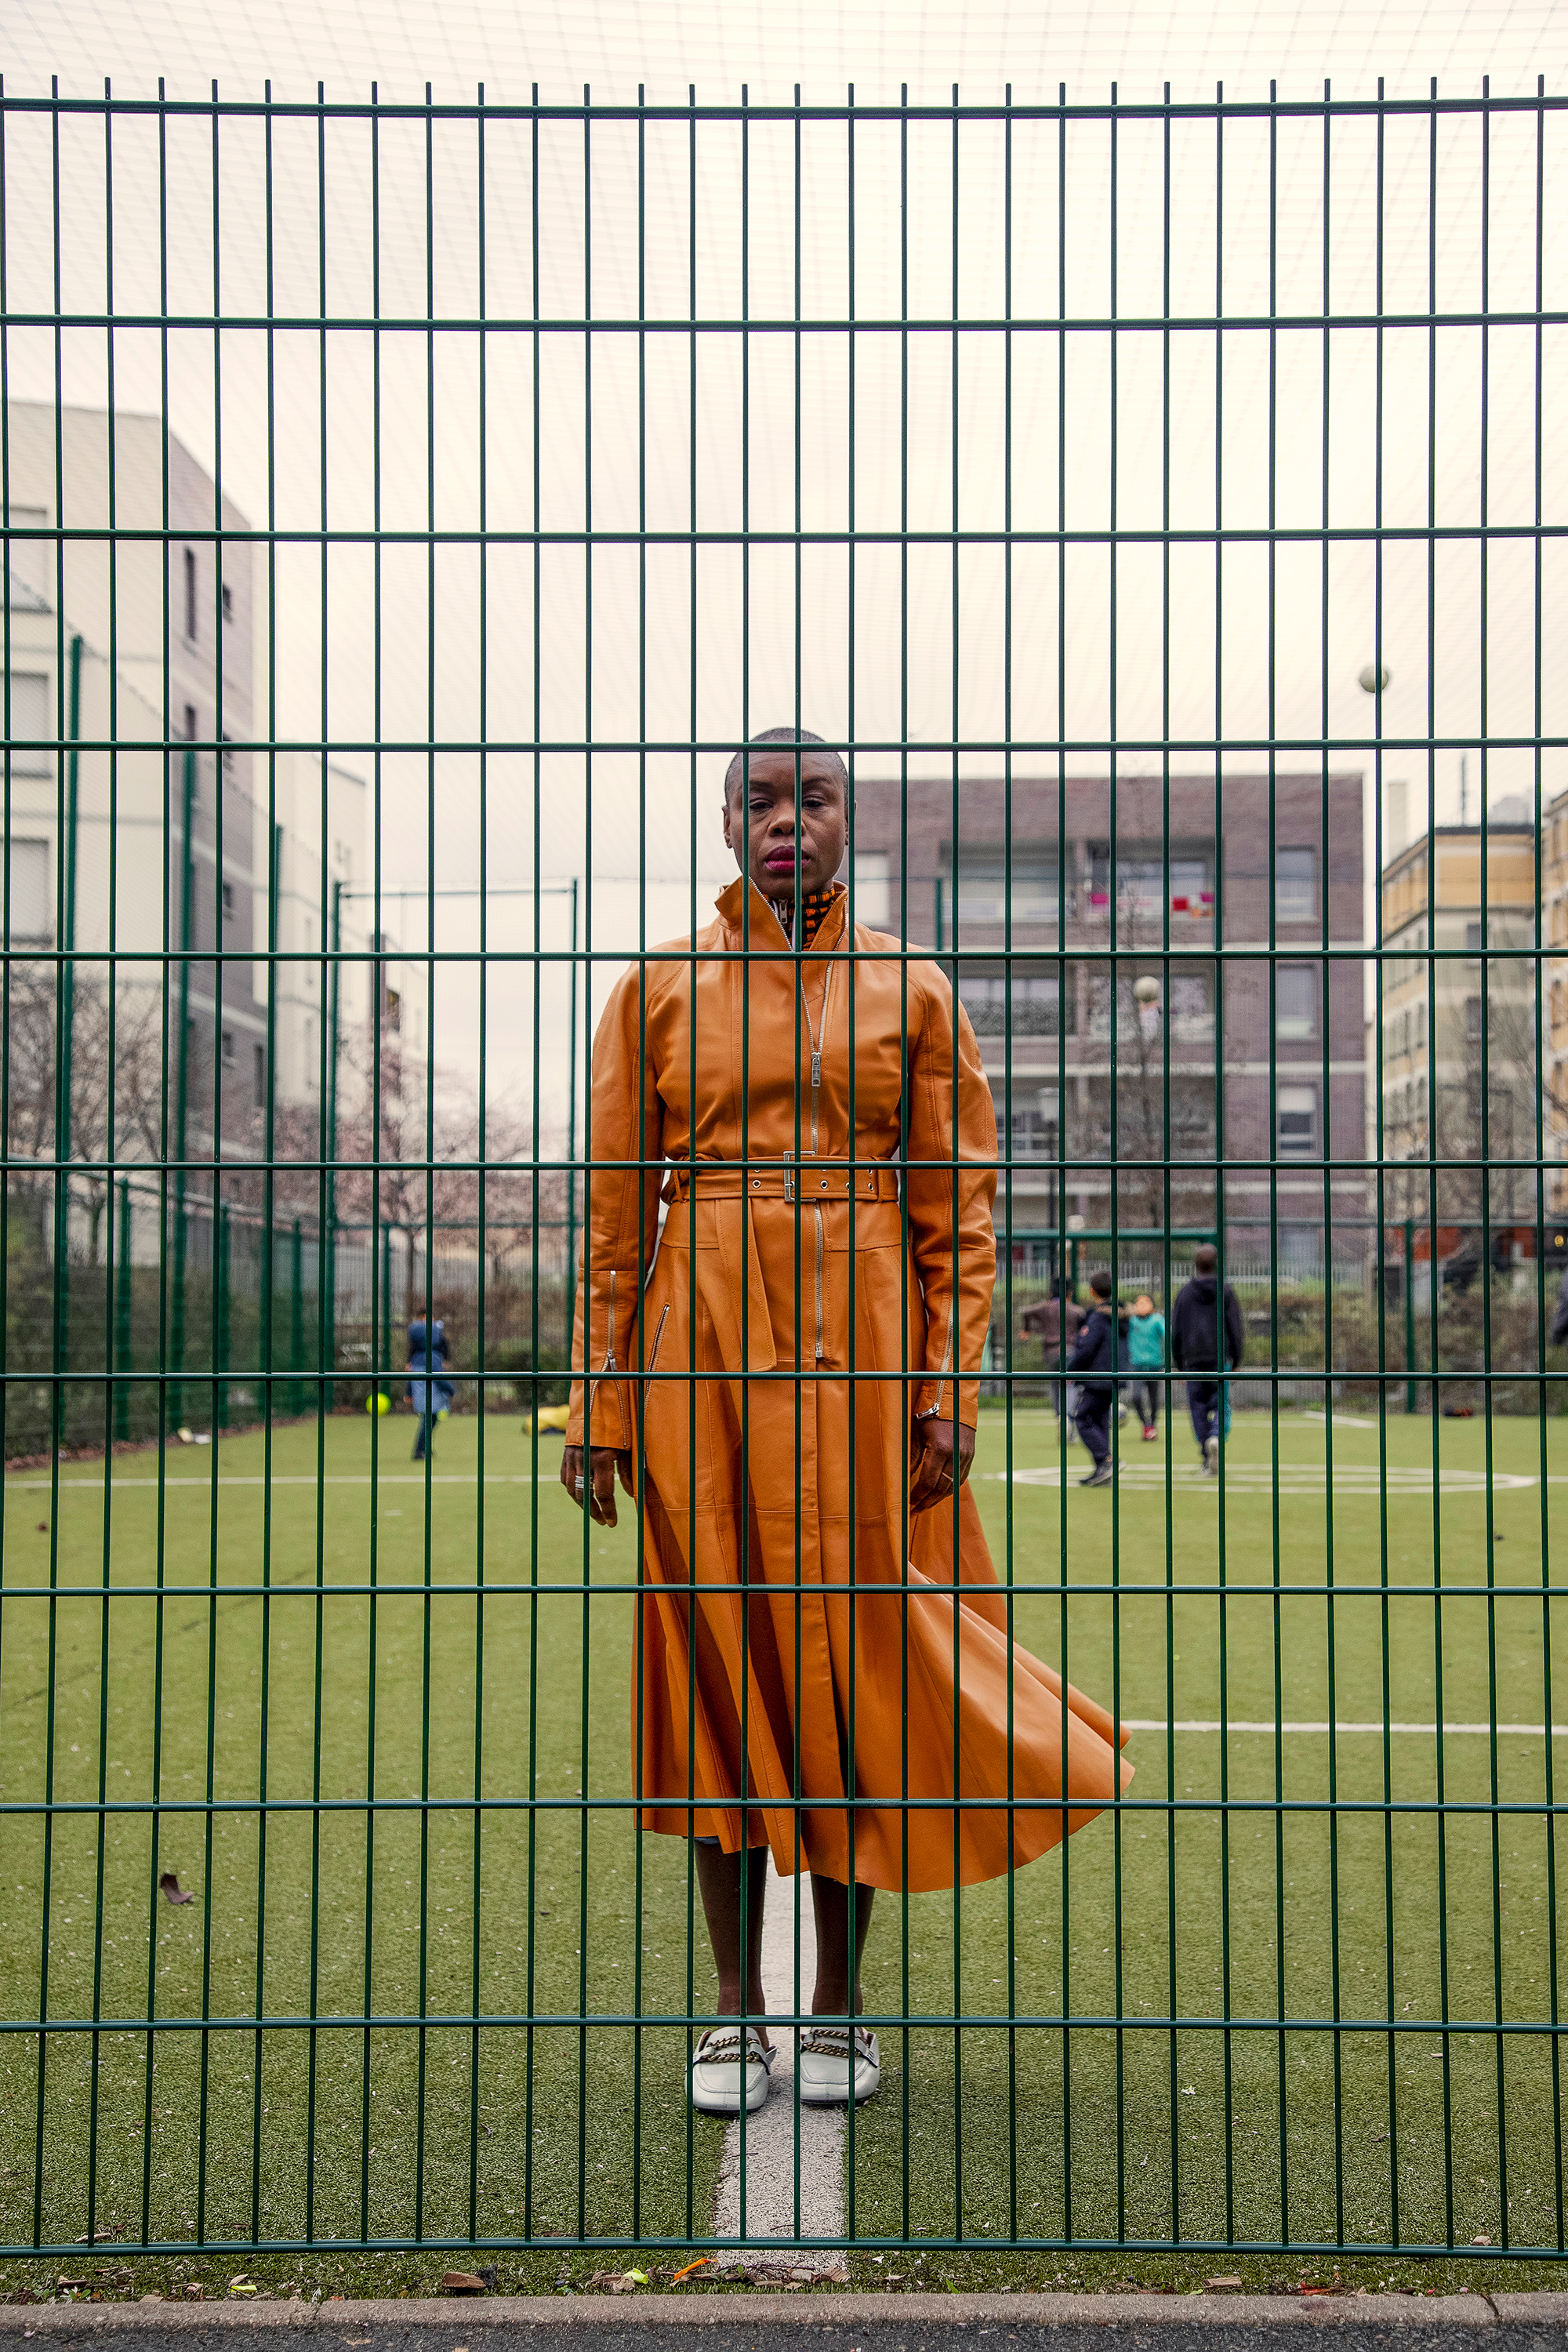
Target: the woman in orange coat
(808, 1339)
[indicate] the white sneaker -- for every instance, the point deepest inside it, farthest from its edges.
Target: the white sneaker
(1211, 1457)
(822, 2065)
(716, 2070)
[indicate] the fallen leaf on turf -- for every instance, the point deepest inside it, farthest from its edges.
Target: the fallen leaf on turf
(462, 2283)
(1219, 2282)
(703, 2260)
(1481, 2242)
(169, 1886)
(43, 1527)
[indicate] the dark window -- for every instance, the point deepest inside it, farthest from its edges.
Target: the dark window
(1472, 1018)
(1034, 1003)
(1473, 939)
(228, 1049)
(1295, 886)
(227, 900)
(227, 602)
(190, 722)
(1296, 1121)
(228, 754)
(258, 1077)
(191, 594)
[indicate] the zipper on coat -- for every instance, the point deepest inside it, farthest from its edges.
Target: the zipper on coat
(609, 1363)
(663, 1319)
(818, 1044)
(819, 1249)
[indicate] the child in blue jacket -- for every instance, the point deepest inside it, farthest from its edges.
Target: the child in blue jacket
(1146, 1353)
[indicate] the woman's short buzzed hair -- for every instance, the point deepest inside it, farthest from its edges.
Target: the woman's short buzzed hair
(772, 736)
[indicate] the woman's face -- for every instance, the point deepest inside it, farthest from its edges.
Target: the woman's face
(760, 822)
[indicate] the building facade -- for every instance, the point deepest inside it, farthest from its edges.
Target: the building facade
(1229, 1088)
(133, 647)
(1458, 1019)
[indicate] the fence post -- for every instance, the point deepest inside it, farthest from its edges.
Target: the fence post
(220, 1277)
(176, 1390)
(572, 1137)
(327, 1243)
(296, 1319)
(122, 1316)
(66, 1016)
(1409, 1315)
(385, 1364)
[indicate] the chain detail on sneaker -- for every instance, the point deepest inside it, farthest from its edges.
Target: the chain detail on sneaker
(825, 2059)
(717, 2066)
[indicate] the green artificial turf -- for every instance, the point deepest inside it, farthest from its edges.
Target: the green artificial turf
(1144, 2133)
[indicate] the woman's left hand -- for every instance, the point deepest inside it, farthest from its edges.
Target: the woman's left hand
(946, 1451)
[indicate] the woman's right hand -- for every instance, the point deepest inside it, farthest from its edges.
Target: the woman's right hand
(598, 1486)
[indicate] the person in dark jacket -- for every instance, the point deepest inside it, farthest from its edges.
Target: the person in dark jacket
(429, 1391)
(1195, 1347)
(1100, 1353)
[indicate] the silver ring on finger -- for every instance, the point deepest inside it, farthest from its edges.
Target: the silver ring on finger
(578, 1483)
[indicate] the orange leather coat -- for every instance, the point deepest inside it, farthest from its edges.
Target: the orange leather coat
(806, 1265)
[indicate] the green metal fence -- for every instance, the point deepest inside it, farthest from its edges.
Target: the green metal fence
(408, 511)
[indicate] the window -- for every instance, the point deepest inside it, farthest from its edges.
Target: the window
(1142, 873)
(191, 594)
(258, 1077)
(1192, 1007)
(228, 1049)
(1474, 941)
(1296, 1121)
(1034, 1130)
(873, 889)
(1295, 886)
(227, 602)
(32, 899)
(227, 901)
(982, 893)
(984, 995)
(228, 754)
(30, 716)
(1472, 1019)
(1296, 1000)
(310, 1056)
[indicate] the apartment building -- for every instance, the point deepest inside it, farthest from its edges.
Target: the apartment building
(1458, 1016)
(1240, 1085)
(319, 863)
(129, 646)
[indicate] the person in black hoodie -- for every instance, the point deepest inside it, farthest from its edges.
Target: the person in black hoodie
(1100, 1353)
(1195, 1347)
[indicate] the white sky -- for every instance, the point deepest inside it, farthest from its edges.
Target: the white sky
(644, 654)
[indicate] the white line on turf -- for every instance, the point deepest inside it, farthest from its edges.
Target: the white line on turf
(769, 2134)
(1292, 1478)
(1467, 1731)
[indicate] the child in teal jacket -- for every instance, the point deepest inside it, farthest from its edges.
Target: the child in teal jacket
(1146, 1353)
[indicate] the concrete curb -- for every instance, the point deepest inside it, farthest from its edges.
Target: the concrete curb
(462, 2318)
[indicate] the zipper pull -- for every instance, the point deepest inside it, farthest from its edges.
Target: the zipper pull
(816, 1069)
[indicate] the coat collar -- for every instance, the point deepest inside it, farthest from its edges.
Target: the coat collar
(730, 905)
